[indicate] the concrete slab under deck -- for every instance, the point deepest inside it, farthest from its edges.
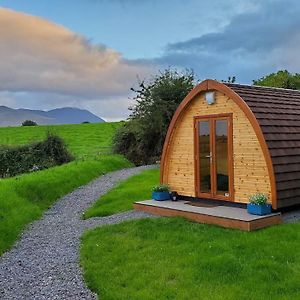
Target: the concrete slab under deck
(225, 216)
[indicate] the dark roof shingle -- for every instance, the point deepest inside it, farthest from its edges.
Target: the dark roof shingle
(278, 114)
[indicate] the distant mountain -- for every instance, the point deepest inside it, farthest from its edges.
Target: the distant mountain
(65, 115)
(68, 115)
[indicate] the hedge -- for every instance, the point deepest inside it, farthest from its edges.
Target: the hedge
(36, 156)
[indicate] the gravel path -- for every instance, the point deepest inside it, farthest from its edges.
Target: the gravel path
(291, 216)
(44, 263)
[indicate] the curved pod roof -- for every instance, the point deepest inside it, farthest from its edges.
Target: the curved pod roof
(275, 116)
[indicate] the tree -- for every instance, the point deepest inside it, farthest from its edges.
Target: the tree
(29, 123)
(230, 79)
(281, 79)
(142, 136)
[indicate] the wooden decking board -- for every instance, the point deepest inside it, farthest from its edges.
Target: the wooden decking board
(229, 217)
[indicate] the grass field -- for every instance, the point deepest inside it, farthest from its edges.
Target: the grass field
(122, 197)
(171, 258)
(84, 140)
(24, 198)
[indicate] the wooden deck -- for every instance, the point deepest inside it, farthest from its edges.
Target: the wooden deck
(229, 217)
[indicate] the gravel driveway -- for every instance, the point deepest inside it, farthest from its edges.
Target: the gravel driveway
(44, 263)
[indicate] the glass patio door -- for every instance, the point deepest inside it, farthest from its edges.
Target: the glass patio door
(213, 157)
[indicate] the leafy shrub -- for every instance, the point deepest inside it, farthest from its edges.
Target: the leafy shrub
(37, 156)
(142, 136)
(29, 123)
(258, 199)
(281, 79)
(161, 188)
(128, 141)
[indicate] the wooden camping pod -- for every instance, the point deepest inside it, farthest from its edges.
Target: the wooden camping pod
(263, 143)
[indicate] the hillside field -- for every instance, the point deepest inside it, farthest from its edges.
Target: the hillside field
(83, 140)
(24, 198)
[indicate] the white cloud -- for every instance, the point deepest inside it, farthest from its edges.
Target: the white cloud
(38, 56)
(115, 109)
(253, 44)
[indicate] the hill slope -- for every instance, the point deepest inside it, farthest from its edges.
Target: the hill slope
(83, 140)
(65, 115)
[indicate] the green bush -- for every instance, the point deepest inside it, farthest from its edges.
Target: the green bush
(37, 156)
(281, 79)
(29, 123)
(141, 138)
(128, 141)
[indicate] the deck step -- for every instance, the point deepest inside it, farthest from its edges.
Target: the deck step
(225, 216)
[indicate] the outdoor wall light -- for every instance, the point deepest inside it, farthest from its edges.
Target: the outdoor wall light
(210, 98)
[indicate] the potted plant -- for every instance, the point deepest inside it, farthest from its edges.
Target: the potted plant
(161, 192)
(258, 205)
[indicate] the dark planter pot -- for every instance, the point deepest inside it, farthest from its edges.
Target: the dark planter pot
(174, 196)
(260, 210)
(161, 196)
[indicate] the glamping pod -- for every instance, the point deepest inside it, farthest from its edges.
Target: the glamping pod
(228, 141)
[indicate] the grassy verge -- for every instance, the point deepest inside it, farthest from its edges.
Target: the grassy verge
(24, 198)
(121, 198)
(176, 259)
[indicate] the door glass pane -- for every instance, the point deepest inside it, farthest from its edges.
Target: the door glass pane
(222, 157)
(204, 153)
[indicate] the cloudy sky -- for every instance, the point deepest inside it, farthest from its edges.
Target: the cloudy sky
(89, 53)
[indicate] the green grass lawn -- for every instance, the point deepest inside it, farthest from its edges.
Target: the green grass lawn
(172, 258)
(24, 198)
(82, 140)
(122, 197)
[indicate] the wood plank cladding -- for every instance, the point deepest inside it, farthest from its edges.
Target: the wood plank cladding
(250, 171)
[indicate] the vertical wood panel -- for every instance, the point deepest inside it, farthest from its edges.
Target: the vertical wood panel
(248, 158)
